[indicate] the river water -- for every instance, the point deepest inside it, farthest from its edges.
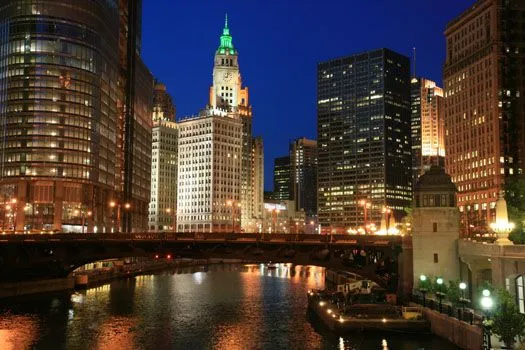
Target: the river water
(223, 307)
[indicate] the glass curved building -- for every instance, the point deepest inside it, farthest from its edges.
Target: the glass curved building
(59, 96)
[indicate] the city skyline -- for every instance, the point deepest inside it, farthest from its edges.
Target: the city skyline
(290, 74)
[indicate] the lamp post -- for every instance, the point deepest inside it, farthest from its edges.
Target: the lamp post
(463, 300)
(114, 204)
(168, 211)
(440, 293)
(366, 205)
(233, 204)
(502, 227)
(83, 213)
(386, 212)
(422, 289)
(486, 304)
(12, 209)
(274, 212)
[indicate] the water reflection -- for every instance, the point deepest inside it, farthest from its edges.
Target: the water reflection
(17, 332)
(220, 307)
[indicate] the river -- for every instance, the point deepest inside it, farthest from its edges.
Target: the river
(222, 307)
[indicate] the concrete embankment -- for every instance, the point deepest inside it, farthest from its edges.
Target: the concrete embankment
(35, 287)
(92, 278)
(460, 333)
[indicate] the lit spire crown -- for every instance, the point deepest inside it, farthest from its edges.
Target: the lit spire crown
(226, 46)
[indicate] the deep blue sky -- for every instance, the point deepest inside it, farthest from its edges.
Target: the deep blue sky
(280, 43)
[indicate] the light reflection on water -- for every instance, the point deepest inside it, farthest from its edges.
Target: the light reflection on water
(222, 307)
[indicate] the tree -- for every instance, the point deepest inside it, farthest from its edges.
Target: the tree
(453, 292)
(508, 323)
(515, 198)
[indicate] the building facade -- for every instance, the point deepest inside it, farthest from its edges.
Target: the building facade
(428, 126)
(61, 101)
(484, 109)
(135, 123)
(164, 162)
(363, 125)
(303, 175)
(282, 181)
(209, 173)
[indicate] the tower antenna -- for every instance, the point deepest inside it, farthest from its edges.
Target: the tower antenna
(414, 60)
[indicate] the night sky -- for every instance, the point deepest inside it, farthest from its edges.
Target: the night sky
(280, 43)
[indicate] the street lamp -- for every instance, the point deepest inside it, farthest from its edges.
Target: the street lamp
(440, 293)
(386, 212)
(486, 304)
(233, 204)
(168, 211)
(366, 205)
(463, 300)
(12, 208)
(114, 204)
(422, 289)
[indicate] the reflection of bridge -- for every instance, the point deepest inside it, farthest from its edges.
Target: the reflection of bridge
(34, 257)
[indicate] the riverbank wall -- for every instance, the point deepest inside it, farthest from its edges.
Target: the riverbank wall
(93, 278)
(8, 290)
(462, 334)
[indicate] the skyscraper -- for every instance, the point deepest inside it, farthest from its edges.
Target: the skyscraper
(63, 151)
(135, 123)
(221, 200)
(363, 127)
(303, 175)
(282, 182)
(164, 159)
(428, 126)
(209, 173)
(484, 109)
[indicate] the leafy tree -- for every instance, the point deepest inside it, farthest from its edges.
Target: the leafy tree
(515, 198)
(508, 323)
(426, 284)
(453, 292)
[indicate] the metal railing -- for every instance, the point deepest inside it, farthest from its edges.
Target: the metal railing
(199, 236)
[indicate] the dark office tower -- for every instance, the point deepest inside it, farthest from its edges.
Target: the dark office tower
(59, 70)
(428, 126)
(303, 167)
(281, 178)
(163, 106)
(363, 127)
(484, 105)
(135, 123)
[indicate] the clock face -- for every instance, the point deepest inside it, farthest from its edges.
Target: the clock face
(228, 76)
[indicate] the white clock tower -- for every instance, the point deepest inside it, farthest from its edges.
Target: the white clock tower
(227, 92)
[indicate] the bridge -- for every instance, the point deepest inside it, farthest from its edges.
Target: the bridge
(46, 256)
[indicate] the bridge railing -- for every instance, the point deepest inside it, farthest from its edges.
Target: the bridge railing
(199, 236)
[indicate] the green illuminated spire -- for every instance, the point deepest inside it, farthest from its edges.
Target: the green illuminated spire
(226, 40)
